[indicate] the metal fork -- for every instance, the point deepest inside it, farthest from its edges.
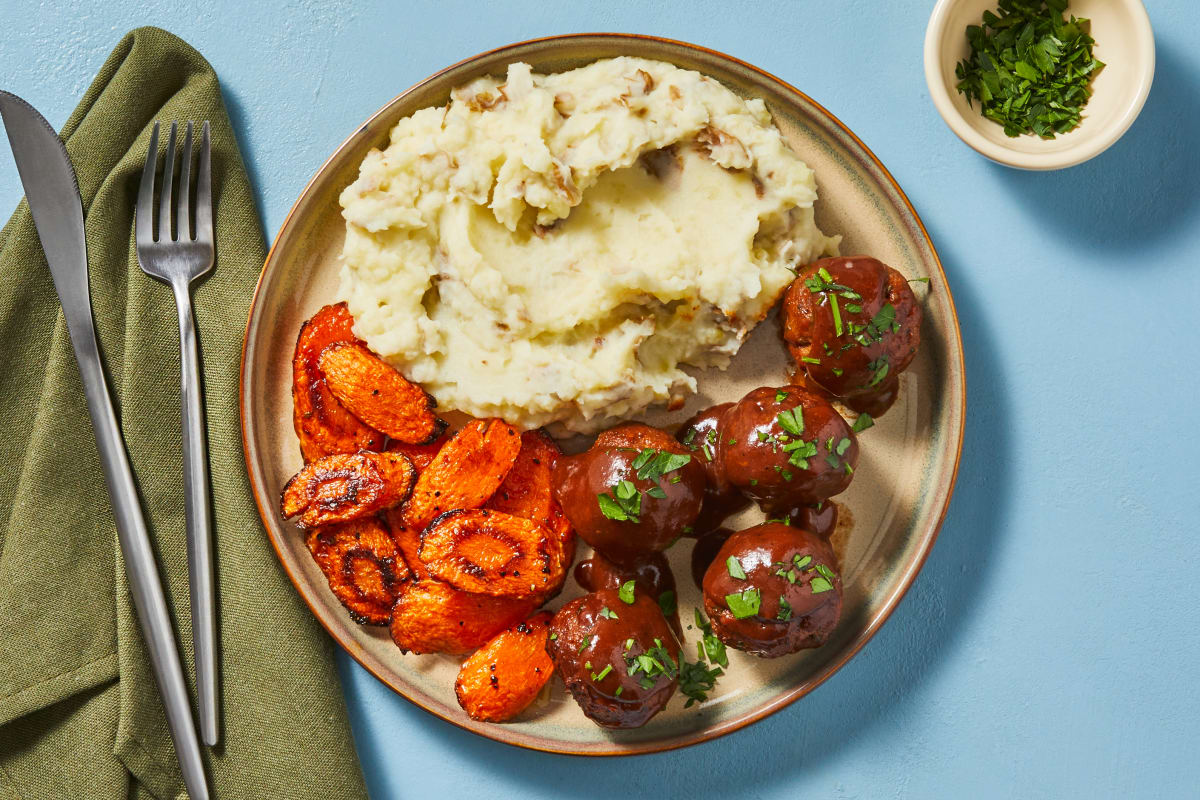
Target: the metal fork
(179, 254)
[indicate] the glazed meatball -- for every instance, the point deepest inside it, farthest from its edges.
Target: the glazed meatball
(632, 493)
(651, 575)
(596, 641)
(786, 447)
(773, 590)
(699, 435)
(852, 326)
(820, 518)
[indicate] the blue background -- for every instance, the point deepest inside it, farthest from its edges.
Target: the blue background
(1050, 647)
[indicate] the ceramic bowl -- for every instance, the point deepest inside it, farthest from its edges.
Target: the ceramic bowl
(894, 508)
(1124, 42)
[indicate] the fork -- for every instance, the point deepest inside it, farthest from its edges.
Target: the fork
(179, 254)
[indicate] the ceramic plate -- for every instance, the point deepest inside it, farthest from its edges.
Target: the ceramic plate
(895, 504)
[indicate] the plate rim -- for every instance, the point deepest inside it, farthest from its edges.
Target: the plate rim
(267, 510)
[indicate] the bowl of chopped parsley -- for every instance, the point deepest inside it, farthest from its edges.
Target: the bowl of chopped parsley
(1039, 84)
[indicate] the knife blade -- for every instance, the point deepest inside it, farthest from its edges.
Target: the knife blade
(53, 194)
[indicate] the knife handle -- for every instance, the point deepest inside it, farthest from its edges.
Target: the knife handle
(140, 566)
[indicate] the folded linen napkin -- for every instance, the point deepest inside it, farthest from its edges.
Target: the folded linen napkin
(80, 714)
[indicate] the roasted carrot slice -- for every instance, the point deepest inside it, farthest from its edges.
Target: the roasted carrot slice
(527, 490)
(421, 455)
(362, 565)
(490, 552)
(504, 676)
(378, 395)
(340, 488)
(433, 617)
(323, 425)
(407, 541)
(465, 472)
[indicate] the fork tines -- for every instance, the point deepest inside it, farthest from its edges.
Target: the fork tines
(180, 227)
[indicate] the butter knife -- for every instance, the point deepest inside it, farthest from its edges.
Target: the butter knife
(53, 194)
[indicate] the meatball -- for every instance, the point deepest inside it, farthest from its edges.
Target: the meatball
(651, 575)
(820, 518)
(632, 493)
(699, 434)
(852, 325)
(786, 447)
(773, 590)
(596, 642)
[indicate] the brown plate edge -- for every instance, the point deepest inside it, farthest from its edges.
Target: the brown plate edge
(267, 510)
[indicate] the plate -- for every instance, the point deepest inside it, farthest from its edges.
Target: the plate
(907, 464)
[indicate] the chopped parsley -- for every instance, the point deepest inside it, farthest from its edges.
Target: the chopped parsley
(800, 451)
(696, 680)
(1029, 69)
(780, 395)
(785, 610)
(842, 446)
(626, 592)
(791, 420)
(880, 368)
(623, 505)
(608, 613)
(666, 601)
(734, 567)
(652, 664)
(599, 676)
(744, 603)
(863, 422)
(652, 465)
(710, 645)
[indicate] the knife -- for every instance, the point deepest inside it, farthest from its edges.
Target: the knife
(53, 195)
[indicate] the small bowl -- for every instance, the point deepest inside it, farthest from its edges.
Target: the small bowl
(1124, 42)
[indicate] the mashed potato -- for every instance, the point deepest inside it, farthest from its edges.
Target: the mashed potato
(554, 248)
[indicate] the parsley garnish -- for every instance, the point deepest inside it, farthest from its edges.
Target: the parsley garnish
(626, 592)
(780, 395)
(696, 680)
(734, 567)
(625, 502)
(666, 601)
(785, 610)
(651, 465)
(608, 613)
(863, 422)
(791, 421)
(1030, 69)
(624, 505)
(744, 603)
(599, 676)
(710, 645)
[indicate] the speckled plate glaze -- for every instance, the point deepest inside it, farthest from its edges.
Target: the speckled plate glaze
(896, 503)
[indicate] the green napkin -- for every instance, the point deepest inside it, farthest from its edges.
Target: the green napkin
(80, 715)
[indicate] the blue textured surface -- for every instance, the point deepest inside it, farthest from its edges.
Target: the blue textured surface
(1050, 648)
